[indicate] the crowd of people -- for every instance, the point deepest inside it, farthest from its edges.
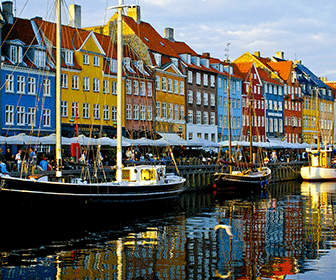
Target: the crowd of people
(28, 159)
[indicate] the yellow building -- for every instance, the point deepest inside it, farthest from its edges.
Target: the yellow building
(156, 52)
(88, 80)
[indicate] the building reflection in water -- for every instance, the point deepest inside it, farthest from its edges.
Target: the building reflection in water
(271, 237)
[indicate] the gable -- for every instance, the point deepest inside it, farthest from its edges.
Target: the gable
(91, 44)
(171, 68)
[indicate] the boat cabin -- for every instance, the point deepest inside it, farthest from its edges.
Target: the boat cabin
(319, 158)
(144, 173)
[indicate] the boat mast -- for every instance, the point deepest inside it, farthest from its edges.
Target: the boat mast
(58, 92)
(250, 118)
(119, 92)
(317, 119)
(229, 119)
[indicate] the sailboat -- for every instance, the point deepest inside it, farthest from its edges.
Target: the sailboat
(319, 160)
(250, 177)
(133, 184)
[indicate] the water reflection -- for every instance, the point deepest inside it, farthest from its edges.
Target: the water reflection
(280, 233)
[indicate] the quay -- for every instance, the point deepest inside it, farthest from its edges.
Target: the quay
(199, 176)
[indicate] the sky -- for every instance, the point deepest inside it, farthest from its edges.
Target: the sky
(303, 29)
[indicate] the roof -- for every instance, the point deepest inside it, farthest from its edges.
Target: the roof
(312, 76)
(266, 77)
(150, 37)
(283, 68)
(14, 31)
(242, 69)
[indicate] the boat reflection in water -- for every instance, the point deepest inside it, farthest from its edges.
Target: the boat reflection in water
(287, 234)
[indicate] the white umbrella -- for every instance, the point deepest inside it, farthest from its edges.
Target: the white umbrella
(16, 139)
(83, 140)
(51, 140)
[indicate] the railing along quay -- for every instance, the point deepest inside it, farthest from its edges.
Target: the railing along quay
(199, 176)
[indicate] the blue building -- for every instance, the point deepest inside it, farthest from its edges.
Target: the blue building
(225, 73)
(27, 81)
(274, 112)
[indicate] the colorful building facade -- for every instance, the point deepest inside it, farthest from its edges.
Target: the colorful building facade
(27, 82)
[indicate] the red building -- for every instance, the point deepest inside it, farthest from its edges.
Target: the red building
(252, 94)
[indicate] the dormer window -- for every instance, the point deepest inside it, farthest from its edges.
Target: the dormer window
(15, 54)
(157, 58)
(140, 65)
(40, 58)
(113, 65)
(68, 57)
(188, 58)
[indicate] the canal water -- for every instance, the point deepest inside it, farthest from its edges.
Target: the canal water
(284, 232)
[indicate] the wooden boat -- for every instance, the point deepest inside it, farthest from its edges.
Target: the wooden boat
(250, 177)
(137, 183)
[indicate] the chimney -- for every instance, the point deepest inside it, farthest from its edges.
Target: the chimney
(169, 33)
(7, 9)
(257, 54)
(280, 55)
(298, 61)
(75, 16)
(134, 12)
(324, 79)
(206, 55)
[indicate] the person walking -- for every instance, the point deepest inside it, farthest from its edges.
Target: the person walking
(18, 160)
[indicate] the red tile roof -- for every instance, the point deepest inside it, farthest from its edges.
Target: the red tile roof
(15, 31)
(150, 37)
(266, 77)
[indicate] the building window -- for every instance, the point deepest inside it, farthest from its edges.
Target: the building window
(68, 57)
(213, 119)
(74, 110)
(64, 109)
(13, 54)
(128, 111)
(158, 109)
(136, 87)
(190, 97)
(39, 58)
(198, 78)
(176, 112)
(86, 59)
(150, 112)
(75, 82)
(198, 117)
(198, 98)
(164, 110)
(96, 111)
(205, 80)
(106, 87)
(142, 112)
(176, 86)
(9, 83)
(212, 81)
(106, 112)
(31, 116)
(205, 118)
(64, 80)
(135, 112)
(190, 116)
(181, 88)
(86, 83)
(190, 77)
(114, 113)
(212, 100)
(170, 111)
(142, 89)
(9, 114)
(21, 84)
(128, 87)
(86, 110)
(96, 60)
(149, 89)
(182, 113)
(46, 87)
(20, 115)
(205, 99)
(46, 117)
(95, 85)
(158, 83)
(164, 83)
(114, 65)
(170, 85)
